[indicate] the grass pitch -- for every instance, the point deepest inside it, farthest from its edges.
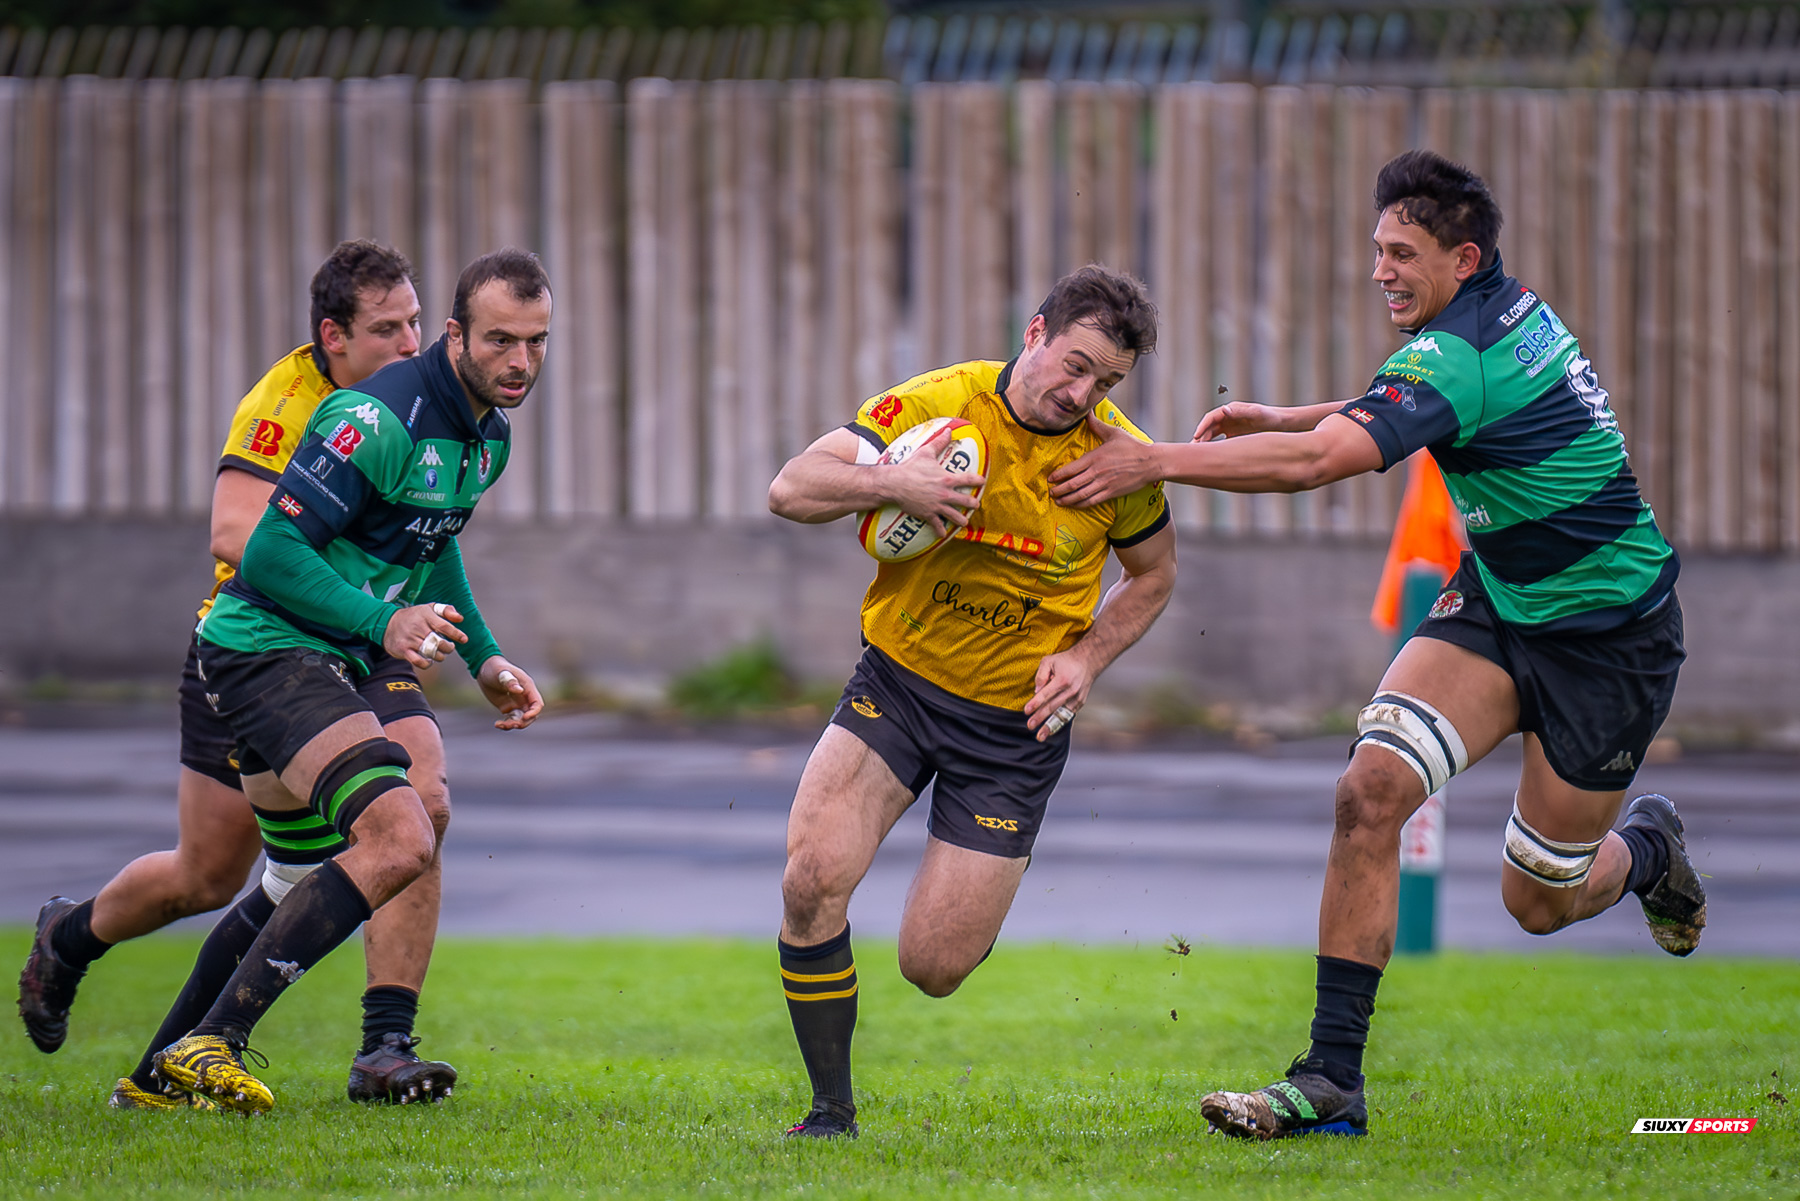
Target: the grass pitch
(633, 1068)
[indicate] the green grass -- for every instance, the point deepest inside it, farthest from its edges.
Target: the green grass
(633, 1068)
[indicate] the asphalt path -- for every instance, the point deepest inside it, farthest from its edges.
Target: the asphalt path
(585, 825)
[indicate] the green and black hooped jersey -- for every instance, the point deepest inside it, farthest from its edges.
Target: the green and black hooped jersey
(1496, 387)
(385, 477)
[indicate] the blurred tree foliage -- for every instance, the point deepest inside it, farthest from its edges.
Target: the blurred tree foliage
(282, 14)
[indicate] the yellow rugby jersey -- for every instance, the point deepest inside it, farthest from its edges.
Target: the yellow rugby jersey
(976, 615)
(267, 428)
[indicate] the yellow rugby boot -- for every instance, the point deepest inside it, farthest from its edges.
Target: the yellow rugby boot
(208, 1065)
(129, 1096)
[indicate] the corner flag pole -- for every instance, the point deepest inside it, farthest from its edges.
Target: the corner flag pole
(1427, 545)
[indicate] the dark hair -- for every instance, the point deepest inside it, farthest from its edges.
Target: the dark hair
(1445, 199)
(351, 267)
(518, 269)
(1115, 302)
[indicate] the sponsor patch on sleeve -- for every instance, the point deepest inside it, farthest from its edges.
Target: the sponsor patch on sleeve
(287, 504)
(344, 440)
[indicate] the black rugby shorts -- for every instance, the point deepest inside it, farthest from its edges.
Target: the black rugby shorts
(993, 777)
(209, 747)
(1595, 701)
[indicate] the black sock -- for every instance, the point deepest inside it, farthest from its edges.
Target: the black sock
(387, 1009)
(1649, 859)
(1340, 1027)
(316, 915)
(820, 983)
(73, 938)
(219, 956)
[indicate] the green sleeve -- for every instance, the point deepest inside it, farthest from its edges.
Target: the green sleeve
(449, 582)
(282, 565)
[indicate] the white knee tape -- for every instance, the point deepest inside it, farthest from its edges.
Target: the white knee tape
(1416, 732)
(279, 877)
(1552, 863)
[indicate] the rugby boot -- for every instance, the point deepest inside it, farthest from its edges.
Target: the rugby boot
(211, 1066)
(129, 1096)
(1675, 906)
(394, 1072)
(823, 1123)
(47, 985)
(1303, 1103)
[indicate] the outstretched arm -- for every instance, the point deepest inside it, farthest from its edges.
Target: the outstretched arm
(1128, 609)
(825, 482)
(1336, 449)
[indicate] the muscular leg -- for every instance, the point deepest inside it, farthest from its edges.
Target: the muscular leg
(847, 802)
(954, 910)
(399, 938)
(1379, 792)
(216, 846)
(1560, 811)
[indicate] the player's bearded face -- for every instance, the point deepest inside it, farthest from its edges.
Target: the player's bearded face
(502, 351)
(1417, 276)
(1058, 381)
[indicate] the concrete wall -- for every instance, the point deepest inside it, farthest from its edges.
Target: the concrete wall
(1277, 630)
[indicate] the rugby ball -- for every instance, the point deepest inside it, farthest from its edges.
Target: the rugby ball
(893, 535)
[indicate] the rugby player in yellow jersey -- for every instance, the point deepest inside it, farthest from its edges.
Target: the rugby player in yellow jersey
(365, 315)
(979, 654)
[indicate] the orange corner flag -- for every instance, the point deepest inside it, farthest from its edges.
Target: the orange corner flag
(1428, 534)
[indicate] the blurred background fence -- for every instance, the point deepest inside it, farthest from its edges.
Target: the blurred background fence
(739, 262)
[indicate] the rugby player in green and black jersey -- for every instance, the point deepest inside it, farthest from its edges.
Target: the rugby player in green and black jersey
(357, 554)
(1562, 621)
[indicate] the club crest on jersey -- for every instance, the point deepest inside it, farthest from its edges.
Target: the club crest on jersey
(486, 463)
(1449, 604)
(289, 505)
(369, 415)
(264, 438)
(344, 440)
(885, 410)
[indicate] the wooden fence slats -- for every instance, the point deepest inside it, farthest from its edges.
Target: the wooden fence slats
(154, 295)
(1653, 402)
(1758, 304)
(72, 425)
(735, 264)
(1788, 333)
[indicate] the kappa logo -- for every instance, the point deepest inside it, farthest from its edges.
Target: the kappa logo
(344, 440)
(369, 415)
(1449, 604)
(430, 458)
(1421, 345)
(1621, 762)
(1010, 824)
(865, 706)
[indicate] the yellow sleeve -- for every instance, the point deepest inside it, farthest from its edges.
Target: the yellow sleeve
(272, 417)
(1139, 514)
(941, 393)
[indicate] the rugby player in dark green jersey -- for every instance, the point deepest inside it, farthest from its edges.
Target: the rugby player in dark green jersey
(1562, 621)
(357, 551)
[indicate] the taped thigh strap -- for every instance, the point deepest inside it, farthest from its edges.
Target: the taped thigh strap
(1418, 733)
(279, 877)
(1552, 863)
(355, 778)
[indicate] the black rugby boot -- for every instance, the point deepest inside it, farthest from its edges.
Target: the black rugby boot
(1303, 1103)
(1674, 906)
(47, 985)
(394, 1072)
(825, 1121)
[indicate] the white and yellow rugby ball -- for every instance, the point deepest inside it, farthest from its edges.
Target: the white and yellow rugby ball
(892, 535)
